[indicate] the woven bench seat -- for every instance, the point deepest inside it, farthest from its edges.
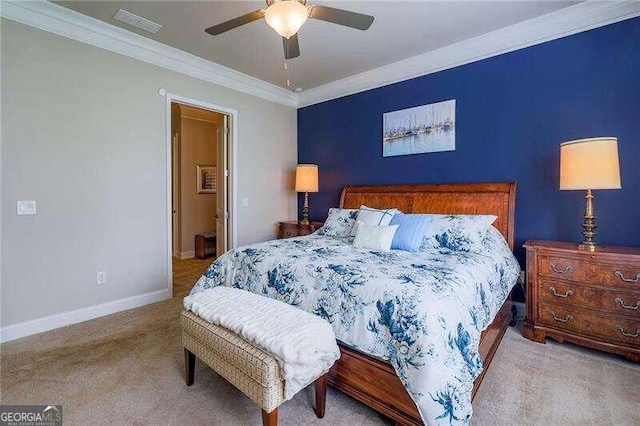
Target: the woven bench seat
(249, 368)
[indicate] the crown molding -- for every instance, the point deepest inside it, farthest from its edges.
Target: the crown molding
(70, 24)
(561, 23)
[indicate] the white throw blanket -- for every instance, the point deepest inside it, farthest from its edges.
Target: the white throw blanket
(304, 344)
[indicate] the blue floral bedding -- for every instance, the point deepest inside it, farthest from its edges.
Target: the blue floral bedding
(423, 312)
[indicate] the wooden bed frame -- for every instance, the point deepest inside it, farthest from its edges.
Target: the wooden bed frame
(374, 382)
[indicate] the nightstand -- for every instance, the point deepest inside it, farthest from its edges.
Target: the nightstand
(296, 229)
(587, 298)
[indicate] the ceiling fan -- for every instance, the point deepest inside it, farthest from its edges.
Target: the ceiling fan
(287, 16)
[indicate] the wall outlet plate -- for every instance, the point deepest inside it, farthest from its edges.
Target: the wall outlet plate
(27, 207)
(101, 277)
(521, 310)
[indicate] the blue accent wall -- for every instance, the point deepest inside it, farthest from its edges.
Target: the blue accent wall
(512, 113)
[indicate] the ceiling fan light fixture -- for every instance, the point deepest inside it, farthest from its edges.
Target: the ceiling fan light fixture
(286, 16)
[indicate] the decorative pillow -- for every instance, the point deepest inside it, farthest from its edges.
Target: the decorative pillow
(374, 237)
(371, 216)
(339, 223)
(412, 229)
(492, 239)
(457, 232)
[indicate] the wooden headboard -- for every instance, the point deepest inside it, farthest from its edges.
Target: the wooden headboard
(471, 198)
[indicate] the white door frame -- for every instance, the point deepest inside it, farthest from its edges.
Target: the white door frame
(232, 163)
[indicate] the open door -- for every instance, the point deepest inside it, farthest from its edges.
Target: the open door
(175, 193)
(222, 204)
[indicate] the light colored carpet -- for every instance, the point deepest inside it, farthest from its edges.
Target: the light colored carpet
(127, 368)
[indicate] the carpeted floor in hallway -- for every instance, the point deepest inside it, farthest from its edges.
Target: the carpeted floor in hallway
(127, 368)
(186, 272)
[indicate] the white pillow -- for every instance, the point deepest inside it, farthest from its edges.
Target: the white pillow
(374, 237)
(371, 216)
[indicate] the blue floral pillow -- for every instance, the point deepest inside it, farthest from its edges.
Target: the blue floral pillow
(339, 223)
(493, 239)
(457, 232)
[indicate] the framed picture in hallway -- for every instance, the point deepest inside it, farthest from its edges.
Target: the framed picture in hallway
(206, 179)
(426, 128)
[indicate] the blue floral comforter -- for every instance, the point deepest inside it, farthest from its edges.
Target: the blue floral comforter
(423, 312)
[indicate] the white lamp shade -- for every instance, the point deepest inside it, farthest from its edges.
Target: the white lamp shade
(590, 164)
(307, 178)
(286, 16)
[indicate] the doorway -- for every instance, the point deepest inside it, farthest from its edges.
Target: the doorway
(199, 185)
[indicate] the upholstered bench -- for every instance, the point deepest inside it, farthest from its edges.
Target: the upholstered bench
(251, 369)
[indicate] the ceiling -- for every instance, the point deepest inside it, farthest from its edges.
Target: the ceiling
(328, 52)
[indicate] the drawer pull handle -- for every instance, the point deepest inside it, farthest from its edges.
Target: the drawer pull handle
(566, 320)
(621, 303)
(624, 333)
(566, 293)
(567, 269)
(627, 280)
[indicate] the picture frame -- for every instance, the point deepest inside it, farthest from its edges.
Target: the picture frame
(206, 179)
(420, 130)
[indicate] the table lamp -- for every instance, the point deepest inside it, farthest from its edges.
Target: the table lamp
(588, 164)
(306, 181)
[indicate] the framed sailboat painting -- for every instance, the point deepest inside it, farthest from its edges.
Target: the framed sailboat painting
(426, 128)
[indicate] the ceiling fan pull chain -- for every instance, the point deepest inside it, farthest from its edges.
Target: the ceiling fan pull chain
(286, 70)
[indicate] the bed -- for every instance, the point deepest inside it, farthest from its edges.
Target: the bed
(390, 376)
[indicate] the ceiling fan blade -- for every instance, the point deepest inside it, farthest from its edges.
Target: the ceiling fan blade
(291, 47)
(236, 22)
(355, 20)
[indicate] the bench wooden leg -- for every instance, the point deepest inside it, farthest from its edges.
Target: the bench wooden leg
(270, 419)
(321, 395)
(189, 366)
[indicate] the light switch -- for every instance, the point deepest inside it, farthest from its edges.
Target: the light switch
(245, 202)
(26, 207)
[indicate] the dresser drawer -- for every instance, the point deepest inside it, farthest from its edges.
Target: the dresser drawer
(624, 330)
(604, 299)
(590, 271)
(296, 229)
(288, 232)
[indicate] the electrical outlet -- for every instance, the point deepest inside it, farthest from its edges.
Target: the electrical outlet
(101, 277)
(521, 310)
(26, 207)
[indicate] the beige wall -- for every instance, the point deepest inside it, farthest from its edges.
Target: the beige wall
(198, 144)
(83, 134)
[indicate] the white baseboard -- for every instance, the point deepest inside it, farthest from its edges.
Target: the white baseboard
(187, 254)
(27, 328)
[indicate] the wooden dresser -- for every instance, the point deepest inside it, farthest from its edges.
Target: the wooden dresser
(588, 298)
(297, 229)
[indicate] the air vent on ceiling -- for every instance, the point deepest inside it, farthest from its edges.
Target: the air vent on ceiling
(137, 21)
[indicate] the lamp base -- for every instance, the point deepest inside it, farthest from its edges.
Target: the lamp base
(589, 246)
(589, 225)
(305, 210)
